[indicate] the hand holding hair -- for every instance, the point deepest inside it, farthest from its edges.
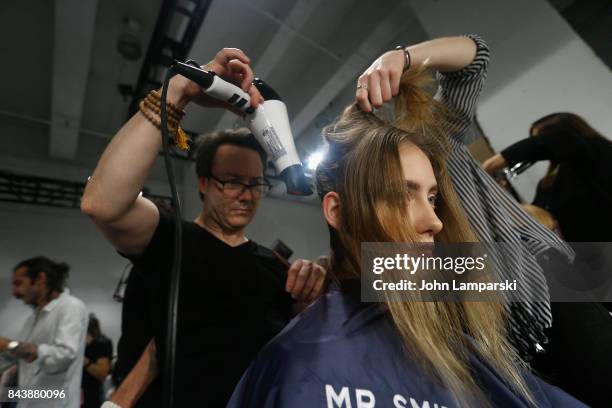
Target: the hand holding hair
(380, 82)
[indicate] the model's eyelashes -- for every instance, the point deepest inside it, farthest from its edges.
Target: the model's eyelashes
(433, 200)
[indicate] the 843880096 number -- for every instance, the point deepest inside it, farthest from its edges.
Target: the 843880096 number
(14, 394)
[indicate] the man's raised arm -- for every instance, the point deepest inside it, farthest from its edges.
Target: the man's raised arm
(111, 198)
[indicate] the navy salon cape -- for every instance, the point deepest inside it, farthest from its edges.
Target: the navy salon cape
(341, 353)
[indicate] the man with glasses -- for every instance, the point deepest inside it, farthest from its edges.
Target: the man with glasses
(235, 294)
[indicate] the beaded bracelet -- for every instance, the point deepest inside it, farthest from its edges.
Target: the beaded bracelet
(151, 110)
(156, 96)
(156, 109)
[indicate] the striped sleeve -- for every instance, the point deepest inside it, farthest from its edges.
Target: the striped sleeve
(494, 215)
(459, 90)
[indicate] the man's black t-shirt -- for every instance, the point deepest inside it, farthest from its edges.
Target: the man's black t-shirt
(92, 388)
(232, 301)
(136, 332)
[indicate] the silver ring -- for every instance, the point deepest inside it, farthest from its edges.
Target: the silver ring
(362, 86)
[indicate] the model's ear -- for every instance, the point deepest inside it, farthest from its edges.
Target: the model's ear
(331, 209)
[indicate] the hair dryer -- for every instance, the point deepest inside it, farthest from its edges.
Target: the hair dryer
(269, 122)
(517, 169)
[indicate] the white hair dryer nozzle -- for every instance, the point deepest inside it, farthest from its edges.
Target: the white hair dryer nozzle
(284, 156)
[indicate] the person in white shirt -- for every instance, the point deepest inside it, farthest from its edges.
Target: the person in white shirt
(51, 344)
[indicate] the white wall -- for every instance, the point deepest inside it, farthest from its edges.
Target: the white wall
(63, 235)
(539, 65)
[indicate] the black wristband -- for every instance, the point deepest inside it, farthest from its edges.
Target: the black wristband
(407, 59)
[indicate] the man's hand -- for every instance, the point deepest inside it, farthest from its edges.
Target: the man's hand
(27, 351)
(305, 280)
(232, 65)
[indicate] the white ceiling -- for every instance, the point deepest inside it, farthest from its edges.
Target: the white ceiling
(310, 51)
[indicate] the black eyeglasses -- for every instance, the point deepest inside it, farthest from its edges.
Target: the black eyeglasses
(234, 188)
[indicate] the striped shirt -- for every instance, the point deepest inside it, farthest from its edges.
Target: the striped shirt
(494, 215)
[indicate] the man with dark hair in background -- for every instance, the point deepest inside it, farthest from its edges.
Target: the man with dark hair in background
(51, 344)
(235, 294)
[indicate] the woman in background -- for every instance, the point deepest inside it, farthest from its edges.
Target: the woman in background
(577, 188)
(577, 191)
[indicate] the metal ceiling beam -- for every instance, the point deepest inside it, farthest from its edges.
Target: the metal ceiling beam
(75, 22)
(47, 191)
(293, 23)
(177, 25)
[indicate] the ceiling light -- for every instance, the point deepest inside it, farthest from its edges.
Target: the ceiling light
(315, 159)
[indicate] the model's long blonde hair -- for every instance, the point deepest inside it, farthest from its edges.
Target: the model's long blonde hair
(363, 167)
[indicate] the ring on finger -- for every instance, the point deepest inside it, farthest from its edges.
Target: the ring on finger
(362, 86)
